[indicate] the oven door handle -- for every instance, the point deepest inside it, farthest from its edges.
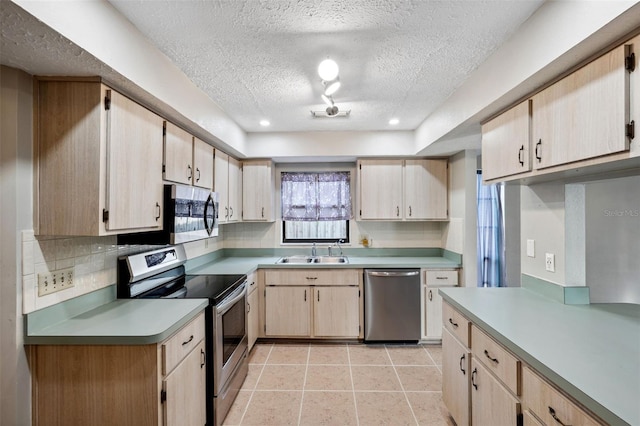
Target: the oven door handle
(230, 300)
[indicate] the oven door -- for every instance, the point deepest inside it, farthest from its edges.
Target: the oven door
(230, 336)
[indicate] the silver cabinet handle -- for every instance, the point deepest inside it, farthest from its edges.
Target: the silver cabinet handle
(430, 296)
(409, 211)
(226, 212)
(190, 174)
(462, 369)
(158, 207)
(305, 295)
(263, 212)
(398, 211)
(198, 171)
(474, 373)
(231, 210)
(188, 341)
(248, 307)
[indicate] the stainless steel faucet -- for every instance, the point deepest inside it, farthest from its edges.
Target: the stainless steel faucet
(337, 244)
(313, 250)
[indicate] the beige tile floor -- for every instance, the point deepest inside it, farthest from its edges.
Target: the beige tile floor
(341, 384)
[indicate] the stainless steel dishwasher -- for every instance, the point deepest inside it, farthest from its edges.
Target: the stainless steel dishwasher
(391, 305)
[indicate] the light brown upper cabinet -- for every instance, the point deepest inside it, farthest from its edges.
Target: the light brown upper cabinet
(584, 115)
(228, 185)
(396, 190)
(99, 161)
(187, 160)
(258, 188)
(425, 189)
(506, 143)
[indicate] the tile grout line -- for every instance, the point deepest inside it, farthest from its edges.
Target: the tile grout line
(246, 408)
(401, 386)
(304, 384)
(353, 386)
(432, 359)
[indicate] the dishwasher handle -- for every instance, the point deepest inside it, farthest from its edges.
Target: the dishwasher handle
(393, 273)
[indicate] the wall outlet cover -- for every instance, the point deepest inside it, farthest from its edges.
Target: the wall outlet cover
(550, 262)
(55, 281)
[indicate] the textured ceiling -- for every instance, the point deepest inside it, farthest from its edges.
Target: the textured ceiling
(257, 59)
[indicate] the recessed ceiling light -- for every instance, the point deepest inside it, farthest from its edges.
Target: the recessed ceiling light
(264, 123)
(394, 121)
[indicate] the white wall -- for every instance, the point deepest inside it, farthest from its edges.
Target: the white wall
(295, 146)
(16, 185)
(543, 220)
(460, 233)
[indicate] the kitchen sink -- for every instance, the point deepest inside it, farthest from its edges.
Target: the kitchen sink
(331, 259)
(301, 259)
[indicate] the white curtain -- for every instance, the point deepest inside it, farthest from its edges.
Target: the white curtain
(491, 271)
(316, 196)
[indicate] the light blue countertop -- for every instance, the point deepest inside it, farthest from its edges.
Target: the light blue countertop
(120, 322)
(590, 351)
(246, 265)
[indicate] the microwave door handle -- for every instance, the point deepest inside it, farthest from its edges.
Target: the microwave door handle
(230, 300)
(207, 205)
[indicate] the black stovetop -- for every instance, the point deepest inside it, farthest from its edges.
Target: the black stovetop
(212, 287)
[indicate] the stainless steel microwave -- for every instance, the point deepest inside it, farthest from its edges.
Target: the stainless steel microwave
(190, 214)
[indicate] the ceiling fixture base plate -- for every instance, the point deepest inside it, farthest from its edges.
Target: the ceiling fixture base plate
(323, 114)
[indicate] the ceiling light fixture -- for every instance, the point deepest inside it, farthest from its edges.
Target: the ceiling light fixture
(264, 123)
(328, 69)
(327, 99)
(394, 121)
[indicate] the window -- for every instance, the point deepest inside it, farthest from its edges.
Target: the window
(316, 207)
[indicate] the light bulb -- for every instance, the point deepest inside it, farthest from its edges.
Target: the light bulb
(328, 70)
(327, 100)
(332, 87)
(394, 121)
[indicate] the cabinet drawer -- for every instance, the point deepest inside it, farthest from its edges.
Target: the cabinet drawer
(252, 282)
(312, 277)
(497, 359)
(180, 344)
(457, 325)
(529, 420)
(437, 278)
(550, 405)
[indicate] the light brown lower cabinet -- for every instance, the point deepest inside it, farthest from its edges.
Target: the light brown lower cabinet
(549, 405)
(491, 402)
(500, 389)
(160, 384)
(456, 376)
(312, 303)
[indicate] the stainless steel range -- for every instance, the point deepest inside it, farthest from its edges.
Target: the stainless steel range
(161, 274)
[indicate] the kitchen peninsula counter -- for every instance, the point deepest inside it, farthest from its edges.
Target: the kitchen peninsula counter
(592, 352)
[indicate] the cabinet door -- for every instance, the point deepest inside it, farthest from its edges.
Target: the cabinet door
(202, 164)
(134, 166)
(380, 183)
(425, 189)
(257, 191)
(433, 308)
(253, 320)
(336, 312)
(287, 311)
(235, 190)
(221, 184)
(178, 146)
(456, 378)
(185, 389)
(583, 115)
(506, 142)
(491, 403)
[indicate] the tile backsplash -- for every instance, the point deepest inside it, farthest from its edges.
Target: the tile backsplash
(93, 260)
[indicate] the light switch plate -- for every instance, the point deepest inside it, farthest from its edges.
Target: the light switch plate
(531, 248)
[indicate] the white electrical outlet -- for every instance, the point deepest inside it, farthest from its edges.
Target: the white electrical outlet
(55, 281)
(550, 262)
